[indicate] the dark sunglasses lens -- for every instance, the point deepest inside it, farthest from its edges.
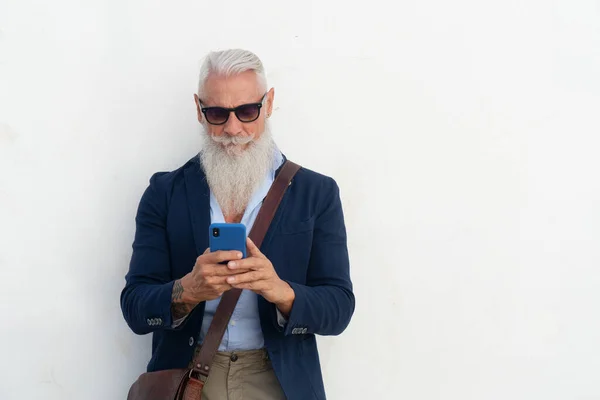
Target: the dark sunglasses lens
(247, 113)
(216, 115)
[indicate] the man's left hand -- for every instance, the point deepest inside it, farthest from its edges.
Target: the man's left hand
(262, 279)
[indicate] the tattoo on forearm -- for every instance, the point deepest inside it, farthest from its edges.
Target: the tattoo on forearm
(178, 308)
(177, 292)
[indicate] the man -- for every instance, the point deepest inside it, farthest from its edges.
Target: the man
(296, 286)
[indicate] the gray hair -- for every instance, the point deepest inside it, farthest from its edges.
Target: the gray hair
(231, 62)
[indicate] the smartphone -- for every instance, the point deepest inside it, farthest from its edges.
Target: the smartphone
(224, 236)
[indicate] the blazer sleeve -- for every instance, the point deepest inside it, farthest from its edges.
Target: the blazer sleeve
(325, 305)
(146, 298)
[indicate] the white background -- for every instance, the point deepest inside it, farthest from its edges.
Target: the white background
(464, 136)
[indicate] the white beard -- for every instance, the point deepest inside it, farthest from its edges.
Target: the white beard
(234, 174)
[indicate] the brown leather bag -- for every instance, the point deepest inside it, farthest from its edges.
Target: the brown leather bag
(187, 384)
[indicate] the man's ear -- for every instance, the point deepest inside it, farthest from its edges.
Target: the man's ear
(269, 101)
(198, 108)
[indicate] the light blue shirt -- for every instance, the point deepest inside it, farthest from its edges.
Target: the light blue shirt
(243, 331)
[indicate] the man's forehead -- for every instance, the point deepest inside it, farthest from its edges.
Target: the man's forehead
(230, 91)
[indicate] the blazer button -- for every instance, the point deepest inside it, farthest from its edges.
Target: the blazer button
(304, 330)
(234, 357)
(191, 341)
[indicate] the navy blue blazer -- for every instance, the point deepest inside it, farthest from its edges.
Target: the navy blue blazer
(306, 244)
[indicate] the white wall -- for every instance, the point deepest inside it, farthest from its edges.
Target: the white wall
(464, 136)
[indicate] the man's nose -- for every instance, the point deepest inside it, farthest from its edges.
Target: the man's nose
(233, 126)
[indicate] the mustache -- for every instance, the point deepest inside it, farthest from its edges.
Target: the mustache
(235, 140)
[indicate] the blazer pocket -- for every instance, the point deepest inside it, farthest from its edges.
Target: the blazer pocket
(296, 227)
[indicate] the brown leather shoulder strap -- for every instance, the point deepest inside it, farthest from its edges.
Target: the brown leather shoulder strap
(203, 361)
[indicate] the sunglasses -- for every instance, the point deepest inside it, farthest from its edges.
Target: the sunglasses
(245, 113)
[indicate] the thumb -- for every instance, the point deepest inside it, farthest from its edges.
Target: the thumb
(252, 249)
(205, 252)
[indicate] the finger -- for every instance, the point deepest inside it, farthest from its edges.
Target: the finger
(244, 278)
(252, 249)
(223, 256)
(216, 281)
(255, 286)
(246, 263)
(224, 288)
(222, 270)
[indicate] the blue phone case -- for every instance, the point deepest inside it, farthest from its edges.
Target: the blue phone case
(227, 237)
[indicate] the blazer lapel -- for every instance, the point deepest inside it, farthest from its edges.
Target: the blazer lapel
(198, 199)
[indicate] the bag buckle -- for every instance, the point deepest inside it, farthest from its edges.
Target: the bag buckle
(197, 375)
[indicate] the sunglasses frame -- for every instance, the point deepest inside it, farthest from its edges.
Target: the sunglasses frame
(234, 110)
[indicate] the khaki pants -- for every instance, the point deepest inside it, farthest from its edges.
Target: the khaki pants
(243, 375)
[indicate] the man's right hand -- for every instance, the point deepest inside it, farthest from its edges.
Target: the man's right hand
(207, 281)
